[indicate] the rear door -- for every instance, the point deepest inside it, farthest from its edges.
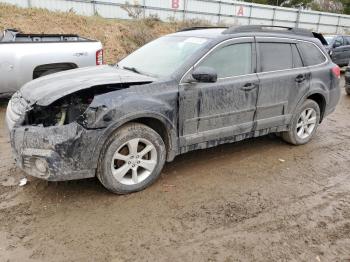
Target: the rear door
(282, 77)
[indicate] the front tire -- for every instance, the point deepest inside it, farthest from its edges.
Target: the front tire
(304, 124)
(131, 159)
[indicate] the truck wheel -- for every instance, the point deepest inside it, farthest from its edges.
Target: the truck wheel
(304, 124)
(131, 159)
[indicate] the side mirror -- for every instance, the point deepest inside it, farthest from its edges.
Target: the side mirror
(205, 74)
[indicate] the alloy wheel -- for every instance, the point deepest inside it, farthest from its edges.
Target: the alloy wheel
(306, 123)
(134, 161)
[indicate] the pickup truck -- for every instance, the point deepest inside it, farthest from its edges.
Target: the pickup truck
(24, 57)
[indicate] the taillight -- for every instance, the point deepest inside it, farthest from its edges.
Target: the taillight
(336, 71)
(99, 57)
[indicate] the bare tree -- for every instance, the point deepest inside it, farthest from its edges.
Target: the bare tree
(134, 10)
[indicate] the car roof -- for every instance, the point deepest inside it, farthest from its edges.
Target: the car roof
(206, 33)
(251, 31)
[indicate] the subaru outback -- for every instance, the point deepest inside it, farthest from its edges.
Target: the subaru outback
(190, 90)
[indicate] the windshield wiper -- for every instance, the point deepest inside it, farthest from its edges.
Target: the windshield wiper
(133, 69)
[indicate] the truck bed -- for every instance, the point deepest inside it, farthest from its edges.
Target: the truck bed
(12, 36)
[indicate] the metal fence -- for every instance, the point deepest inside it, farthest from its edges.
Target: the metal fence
(214, 11)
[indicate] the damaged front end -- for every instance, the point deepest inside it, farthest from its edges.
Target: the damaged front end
(49, 142)
(51, 122)
(54, 142)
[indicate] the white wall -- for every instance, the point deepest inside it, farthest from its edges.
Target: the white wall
(215, 11)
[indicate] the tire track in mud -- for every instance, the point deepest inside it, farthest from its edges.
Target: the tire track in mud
(308, 220)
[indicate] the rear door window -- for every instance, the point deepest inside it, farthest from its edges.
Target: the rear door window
(311, 54)
(275, 56)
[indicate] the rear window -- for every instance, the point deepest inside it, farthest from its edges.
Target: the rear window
(312, 55)
(275, 56)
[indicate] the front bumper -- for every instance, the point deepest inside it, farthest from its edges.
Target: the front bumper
(55, 153)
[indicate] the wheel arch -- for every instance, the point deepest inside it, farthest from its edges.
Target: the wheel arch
(321, 101)
(157, 122)
(40, 69)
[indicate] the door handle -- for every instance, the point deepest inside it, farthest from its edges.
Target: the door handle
(248, 87)
(300, 78)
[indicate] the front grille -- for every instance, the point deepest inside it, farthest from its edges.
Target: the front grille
(16, 110)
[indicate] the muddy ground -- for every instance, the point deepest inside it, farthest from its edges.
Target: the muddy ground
(237, 202)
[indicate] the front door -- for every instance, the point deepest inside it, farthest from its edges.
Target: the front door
(215, 111)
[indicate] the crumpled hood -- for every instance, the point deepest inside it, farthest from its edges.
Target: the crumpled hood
(45, 90)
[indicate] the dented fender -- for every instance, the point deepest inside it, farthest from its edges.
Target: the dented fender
(119, 111)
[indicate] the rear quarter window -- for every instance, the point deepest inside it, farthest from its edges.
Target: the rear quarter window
(297, 62)
(311, 54)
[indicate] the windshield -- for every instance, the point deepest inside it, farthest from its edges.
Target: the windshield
(163, 56)
(2, 36)
(329, 38)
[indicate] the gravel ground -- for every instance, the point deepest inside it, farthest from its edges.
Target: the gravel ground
(256, 200)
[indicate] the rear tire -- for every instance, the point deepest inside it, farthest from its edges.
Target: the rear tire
(131, 159)
(304, 124)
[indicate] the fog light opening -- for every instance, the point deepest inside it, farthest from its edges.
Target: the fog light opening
(41, 165)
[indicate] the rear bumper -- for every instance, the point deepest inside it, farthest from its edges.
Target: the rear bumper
(333, 100)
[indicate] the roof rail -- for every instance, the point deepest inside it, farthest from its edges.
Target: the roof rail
(268, 28)
(202, 27)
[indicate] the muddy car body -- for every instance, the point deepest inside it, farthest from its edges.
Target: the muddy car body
(114, 121)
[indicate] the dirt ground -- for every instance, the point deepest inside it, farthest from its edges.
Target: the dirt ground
(257, 200)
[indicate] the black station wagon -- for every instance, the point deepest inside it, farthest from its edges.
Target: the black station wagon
(190, 90)
(338, 47)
